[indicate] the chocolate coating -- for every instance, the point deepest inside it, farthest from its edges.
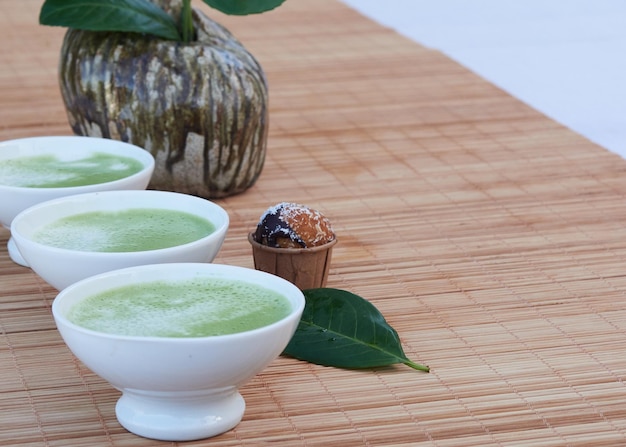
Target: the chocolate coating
(291, 225)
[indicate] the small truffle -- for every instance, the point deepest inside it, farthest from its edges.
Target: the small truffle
(291, 225)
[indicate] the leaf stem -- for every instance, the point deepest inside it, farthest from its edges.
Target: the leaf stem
(417, 366)
(187, 21)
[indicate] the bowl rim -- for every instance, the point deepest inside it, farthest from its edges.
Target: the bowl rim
(220, 230)
(136, 152)
(298, 302)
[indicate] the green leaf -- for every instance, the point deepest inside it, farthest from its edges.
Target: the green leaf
(243, 7)
(137, 16)
(341, 329)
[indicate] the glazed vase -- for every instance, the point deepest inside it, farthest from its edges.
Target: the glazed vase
(200, 108)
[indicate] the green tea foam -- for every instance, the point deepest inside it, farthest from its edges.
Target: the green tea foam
(134, 229)
(49, 171)
(181, 308)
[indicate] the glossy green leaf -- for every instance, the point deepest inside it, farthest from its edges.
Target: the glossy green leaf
(139, 16)
(341, 329)
(243, 7)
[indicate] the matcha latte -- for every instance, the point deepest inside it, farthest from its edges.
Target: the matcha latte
(181, 308)
(130, 230)
(51, 171)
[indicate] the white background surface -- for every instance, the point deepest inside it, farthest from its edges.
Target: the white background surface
(565, 58)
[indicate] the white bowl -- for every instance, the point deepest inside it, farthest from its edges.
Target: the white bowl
(61, 267)
(177, 389)
(14, 199)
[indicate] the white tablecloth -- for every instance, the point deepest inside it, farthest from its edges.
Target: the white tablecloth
(566, 58)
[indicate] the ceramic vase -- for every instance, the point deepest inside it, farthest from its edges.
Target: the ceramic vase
(200, 108)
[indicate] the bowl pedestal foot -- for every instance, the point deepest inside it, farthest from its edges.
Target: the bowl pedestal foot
(180, 416)
(15, 254)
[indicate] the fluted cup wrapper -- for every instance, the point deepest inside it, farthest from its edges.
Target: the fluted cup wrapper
(307, 268)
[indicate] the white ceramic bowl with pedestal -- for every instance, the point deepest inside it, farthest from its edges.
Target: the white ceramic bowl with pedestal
(178, 389)
(68, 149)
(61, 267)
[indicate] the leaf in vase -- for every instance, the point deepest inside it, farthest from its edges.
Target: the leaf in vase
(243, 7)
(138, 16)
(341, 329)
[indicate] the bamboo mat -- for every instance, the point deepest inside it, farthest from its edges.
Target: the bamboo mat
(490, 237)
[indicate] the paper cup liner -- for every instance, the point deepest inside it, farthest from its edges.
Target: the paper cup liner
(307, 268)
